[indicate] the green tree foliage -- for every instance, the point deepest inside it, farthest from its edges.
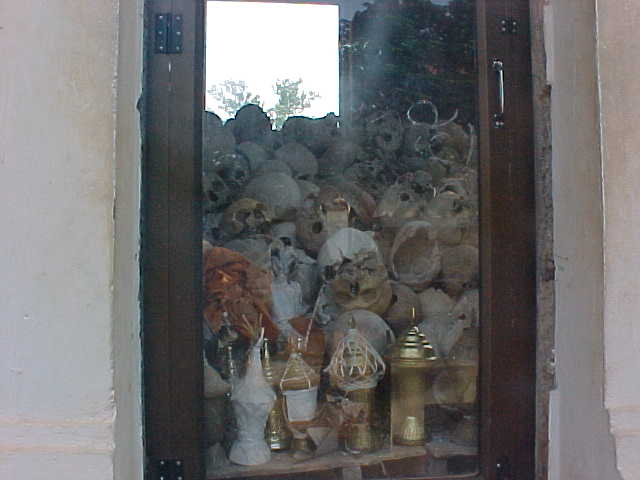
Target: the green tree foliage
(292, 100)
(233, 94)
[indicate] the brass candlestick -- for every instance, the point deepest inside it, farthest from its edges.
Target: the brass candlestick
(277, 434)
(410, 359)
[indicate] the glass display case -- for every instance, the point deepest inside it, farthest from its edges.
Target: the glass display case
(340, 239)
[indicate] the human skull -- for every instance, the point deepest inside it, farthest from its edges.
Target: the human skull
(314, 133)
(455, 138)
(310, 226)
(247, 215)
(216, 140)
(233, 169)
(416, 258)
(439, 325)
(399, 204)
(302, 162)
(460, 268)
(467, 309)
(385, 131)
(362, 283)
(251, 124)
(307, 189)
(343, 246)
(277, 190)
(216, 193)
(361, 203)
(404, 308)
(365, 171)
(321, 217)
(339, 156)
(272, 166)
(272, 140)
(254, 153)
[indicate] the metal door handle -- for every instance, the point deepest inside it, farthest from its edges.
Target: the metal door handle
(498, 117)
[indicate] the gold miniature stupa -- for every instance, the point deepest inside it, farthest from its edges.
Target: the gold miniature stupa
(411, 357)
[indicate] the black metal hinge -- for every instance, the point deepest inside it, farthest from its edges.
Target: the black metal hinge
(168, 30)
(509, 26)
(170, 469)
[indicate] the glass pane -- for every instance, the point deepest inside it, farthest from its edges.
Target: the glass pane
(340, 240)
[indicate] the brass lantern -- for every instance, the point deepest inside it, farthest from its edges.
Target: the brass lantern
(356, 368)
(411, 357)
(277, 434)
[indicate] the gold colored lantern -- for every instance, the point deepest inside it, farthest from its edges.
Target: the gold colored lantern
(299, 386)
(356, 368)
(277, 434)
(411, 357)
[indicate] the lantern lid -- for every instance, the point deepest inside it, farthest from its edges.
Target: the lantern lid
(298, 375)
(413, 345)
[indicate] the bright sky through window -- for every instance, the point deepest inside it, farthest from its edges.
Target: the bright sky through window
(261, 43)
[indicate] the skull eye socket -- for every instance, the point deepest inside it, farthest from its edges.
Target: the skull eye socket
(404, 197)
(417, 188)
(286, 241)
(316, 227)
(242, 216)
(258, 214)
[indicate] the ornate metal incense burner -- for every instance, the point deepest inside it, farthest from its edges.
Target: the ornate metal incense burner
(410, 359)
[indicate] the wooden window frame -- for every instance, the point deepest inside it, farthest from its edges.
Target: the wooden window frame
(171, 245)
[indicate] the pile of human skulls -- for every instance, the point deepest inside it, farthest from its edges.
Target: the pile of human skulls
(377, 216)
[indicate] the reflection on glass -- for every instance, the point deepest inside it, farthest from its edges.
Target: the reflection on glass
(340, 239)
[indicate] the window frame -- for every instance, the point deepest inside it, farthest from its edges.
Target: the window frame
(171, 244)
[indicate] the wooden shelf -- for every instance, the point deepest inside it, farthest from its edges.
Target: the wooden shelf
(447, 449)
(284, 463)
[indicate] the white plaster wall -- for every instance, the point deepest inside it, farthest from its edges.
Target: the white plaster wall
(59, 396)
(581, 446)
(619, 69)
(128, 454)
(69, 325)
